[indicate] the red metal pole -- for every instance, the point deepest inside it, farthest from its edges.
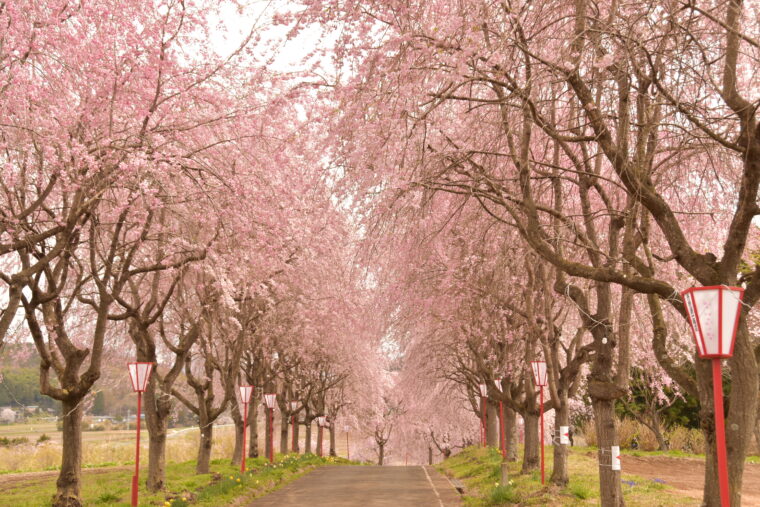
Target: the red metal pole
(501, 431)
(137, 452)
(720, 433)
(320, 432)
(245, 422)
(348, 451)
(542, 434)
(271, 435)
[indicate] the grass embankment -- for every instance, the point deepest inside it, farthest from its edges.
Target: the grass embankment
(479, 469)
(103, 448)
(222, 486)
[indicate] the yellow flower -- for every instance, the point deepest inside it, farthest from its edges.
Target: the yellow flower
(238, 479)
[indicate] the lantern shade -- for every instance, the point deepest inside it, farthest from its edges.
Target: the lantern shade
(245, 393)
(321, 420)
(139, 373)
(713, 314)
(497, 382)
(539, 373)
(483, 390)
(347, 428)
(270, 400)
(293, 406)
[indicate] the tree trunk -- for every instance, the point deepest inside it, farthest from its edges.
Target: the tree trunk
(269, 429)
(430, 455)
(492, 424)
(381, 454)
(237, 419)
(284, 419)
(657, 430)
(510, 433)
(560, 475)
(738, 424)
(611, 493)
(157, 454)
(296, 445)
(253, 430)
(332, 440)
(757, 432)
(307, 442)
(530, 455)
(157, 406)
(69, 478)
(204, 448)
(742, 409)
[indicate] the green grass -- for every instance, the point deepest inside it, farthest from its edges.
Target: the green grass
(479, 470)
(183, 487)
(670, 454)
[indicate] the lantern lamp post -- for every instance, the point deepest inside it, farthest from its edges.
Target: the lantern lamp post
(502, 441)
(245, 398)
(540, 379)
(347, 428)
(270, 400)
(483, 397)
(293, 410)
(321, 423)
(139, 373)
(713, 314)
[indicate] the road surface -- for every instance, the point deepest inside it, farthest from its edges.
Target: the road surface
(370, 486)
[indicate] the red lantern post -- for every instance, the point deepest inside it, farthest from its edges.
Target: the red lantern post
(293, 410)
(483, 397)
(502, 440)
(139, 373)
(270, 400)
(245, 397)
(714, 318)
(540, 379)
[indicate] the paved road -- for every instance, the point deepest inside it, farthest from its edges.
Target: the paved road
(360, 486)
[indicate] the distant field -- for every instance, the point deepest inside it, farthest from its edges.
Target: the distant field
(113, 448)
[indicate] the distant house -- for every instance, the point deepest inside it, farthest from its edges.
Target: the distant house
(7, 415)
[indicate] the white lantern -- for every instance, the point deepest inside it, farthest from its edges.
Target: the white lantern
(539, 373)
(564, 435)
(270, 400)
(321, 420)
(293, 406)
(245, 393)
(347, 428)
(615, 453)
(139, 373)
(714, 317)
(497, 382)
(483, 390)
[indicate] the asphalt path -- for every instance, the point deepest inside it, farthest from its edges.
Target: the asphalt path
(375, 486)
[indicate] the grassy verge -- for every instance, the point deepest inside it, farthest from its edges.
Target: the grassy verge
(222, 486)
(479, 470)
(668, 454)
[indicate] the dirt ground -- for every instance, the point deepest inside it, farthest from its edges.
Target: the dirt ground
(687, 475)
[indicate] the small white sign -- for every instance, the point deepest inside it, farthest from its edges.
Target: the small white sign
(615, 452)
(564, 435)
